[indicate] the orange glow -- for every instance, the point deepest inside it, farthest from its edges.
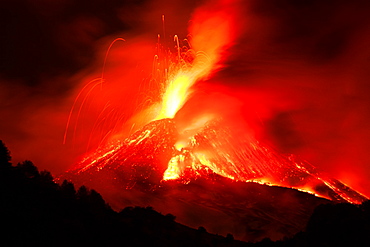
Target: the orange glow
(211, 144)
(175, 96)
(211, 33)
(173, 170)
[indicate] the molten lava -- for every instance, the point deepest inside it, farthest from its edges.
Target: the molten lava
(149, 157)
(160, 151)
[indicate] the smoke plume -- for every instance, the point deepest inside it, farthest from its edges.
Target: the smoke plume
(292, 73)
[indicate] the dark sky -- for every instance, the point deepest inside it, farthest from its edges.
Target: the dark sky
(300, 69)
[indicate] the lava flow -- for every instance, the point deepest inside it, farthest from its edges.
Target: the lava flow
(149, 157)
(162, 151)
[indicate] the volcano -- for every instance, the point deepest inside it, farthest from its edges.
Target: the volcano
(203, 165)
(225, 183)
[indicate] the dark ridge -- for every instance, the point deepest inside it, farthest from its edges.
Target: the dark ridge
(36, 211)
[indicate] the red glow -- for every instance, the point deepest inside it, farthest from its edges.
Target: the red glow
(213, 142)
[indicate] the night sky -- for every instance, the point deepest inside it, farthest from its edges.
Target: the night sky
(298, 69)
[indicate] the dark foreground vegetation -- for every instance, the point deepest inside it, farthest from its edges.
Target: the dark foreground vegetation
(36, 211)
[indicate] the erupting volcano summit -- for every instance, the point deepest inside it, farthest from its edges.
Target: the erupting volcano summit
(167, 155)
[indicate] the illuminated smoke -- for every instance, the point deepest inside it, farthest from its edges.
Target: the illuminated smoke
(174, 150)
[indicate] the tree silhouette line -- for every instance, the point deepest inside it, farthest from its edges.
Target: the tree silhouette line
(36, 211)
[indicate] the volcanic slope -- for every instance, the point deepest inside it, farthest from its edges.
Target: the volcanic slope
(208, 182)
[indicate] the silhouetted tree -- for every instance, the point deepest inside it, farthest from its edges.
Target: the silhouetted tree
(170, 217)
(46, 178)
(201, 229)
(5, 158)
(83, 193)
(96, 200)
(68, 189)
(229, 237)
(266, 242)
(28, 169)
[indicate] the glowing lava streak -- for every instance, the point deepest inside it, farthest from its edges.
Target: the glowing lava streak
(177, 92)
(181, 78)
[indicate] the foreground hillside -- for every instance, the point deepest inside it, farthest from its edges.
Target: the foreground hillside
(35, 211)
